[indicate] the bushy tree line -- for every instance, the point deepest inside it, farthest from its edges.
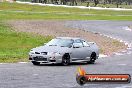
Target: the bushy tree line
(75, 2)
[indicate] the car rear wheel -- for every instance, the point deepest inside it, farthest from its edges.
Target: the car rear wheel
(92, 58)
(66, 59)
(35, 63)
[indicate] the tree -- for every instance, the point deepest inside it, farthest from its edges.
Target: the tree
(96, 2)
(73, 2)
(117, 3)
(129, 2)
(109, 1)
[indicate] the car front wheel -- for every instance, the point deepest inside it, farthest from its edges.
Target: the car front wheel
(92, 58)
(66, 59)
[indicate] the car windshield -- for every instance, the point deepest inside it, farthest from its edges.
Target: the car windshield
(60, 42)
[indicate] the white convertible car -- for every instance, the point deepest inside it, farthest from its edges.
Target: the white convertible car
(65, 50)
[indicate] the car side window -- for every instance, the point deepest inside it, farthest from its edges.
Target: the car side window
(85, 44)
(78, 42)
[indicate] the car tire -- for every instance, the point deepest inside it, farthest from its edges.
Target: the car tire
(35, 63)
(66, 60)
(92, 58)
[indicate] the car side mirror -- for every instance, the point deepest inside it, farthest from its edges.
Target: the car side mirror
(76, 45)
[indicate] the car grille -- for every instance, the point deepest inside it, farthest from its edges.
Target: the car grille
(39, 58)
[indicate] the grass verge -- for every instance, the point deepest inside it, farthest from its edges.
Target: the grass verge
(23, 11)
(14, 46)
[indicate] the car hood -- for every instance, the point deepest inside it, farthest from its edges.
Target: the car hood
(51, 49)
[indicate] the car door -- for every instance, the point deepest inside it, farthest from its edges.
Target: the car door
(78, 53)
(87, 50)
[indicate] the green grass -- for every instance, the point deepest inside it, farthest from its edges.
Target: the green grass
(10, 15)
(32, 12)
(14, 46)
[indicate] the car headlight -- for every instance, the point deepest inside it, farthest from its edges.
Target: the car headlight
(31, 52)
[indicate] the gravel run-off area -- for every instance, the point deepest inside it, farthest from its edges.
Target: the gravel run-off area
(57, 28)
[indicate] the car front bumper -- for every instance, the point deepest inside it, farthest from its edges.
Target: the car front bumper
(45, 58)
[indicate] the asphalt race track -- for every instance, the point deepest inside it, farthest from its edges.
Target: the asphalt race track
(25, 75)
